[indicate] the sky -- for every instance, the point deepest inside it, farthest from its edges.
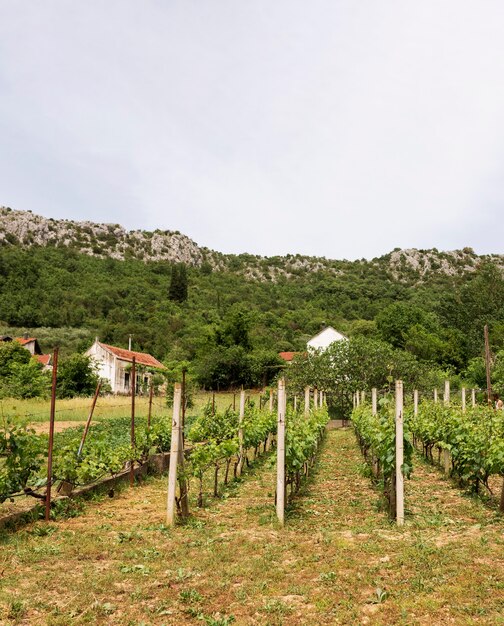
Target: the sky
(336, 128)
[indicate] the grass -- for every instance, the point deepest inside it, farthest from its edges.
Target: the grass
(337, 561)
(36, 410)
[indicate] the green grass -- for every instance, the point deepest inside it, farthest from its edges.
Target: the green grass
(36, 410)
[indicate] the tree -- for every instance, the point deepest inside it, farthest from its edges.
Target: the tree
(76, 376)
(178, 290)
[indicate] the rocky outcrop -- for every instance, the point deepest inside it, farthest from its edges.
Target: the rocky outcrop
(25, 229)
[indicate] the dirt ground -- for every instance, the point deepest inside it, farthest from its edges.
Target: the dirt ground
(338, 560)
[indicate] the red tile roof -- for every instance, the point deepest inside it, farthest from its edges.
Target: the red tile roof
(43, 358)
(141, 358)
(24, 340)
(287, 356)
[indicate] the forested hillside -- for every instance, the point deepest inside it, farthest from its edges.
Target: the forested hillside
(216, 308)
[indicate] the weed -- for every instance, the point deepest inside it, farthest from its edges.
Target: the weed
(188, 596)
(16, 610)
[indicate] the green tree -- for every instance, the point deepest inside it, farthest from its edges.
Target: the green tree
(76, 376)
(178, 290)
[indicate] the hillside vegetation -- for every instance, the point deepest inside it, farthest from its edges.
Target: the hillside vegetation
(78, 280)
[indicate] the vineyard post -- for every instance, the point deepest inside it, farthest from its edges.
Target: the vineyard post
(399, 453)
(415, 402)
(213, 403)
(184, 500)
(473, 397)
(51, 434)
(306, 401)
(463, 399)
(240, 432)
(295, 403)
(446, 394)
(174, 452)
(315, 398)
(322, 395)
(271, 401)
(234, 402)
(280, 490)
(149, 414)
(363, 397)
(90, 417)
(133, 393)
(487, 366)
(357, 399)
(374, 400)
(435, 396)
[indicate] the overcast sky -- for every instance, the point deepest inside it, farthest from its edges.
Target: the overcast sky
(337, 128)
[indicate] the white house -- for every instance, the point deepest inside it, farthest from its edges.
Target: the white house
(114, 364)
(325, 338)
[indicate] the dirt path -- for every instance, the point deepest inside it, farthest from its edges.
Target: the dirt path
(338, 560)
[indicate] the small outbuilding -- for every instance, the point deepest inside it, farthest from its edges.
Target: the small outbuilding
(325, 338)
(114, 365)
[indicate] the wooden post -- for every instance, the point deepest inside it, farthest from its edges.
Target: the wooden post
(90, 417)
(280, 490)
(446, 394)
(306, 401)
(51, 434)
(132, 438)
(374, 400)
(463, 399)
(357, 399)
(213, 403)
(174, 453)
(473, 397)
(399, 453)
(295, 403)
(435, 396)
(487, 366)
(363, 397)
(415, 402)
(240, 433)
(271, 401)
(315, 398)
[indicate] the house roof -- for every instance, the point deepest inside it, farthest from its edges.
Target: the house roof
(326, 337)
(45, 359)
(141, 358)
(287, 356)
(26, 340)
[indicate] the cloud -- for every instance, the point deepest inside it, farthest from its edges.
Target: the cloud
(338, 129)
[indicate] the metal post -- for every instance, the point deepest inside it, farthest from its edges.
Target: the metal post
(133, 394)
(280, 491)
(149, 414)
(51, 434)
(487, 366)
(90, 417)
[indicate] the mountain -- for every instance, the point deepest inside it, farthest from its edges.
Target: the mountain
(66, 282)
(25, 229)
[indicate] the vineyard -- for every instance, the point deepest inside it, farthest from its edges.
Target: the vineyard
(467, 442)
(230, 557)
